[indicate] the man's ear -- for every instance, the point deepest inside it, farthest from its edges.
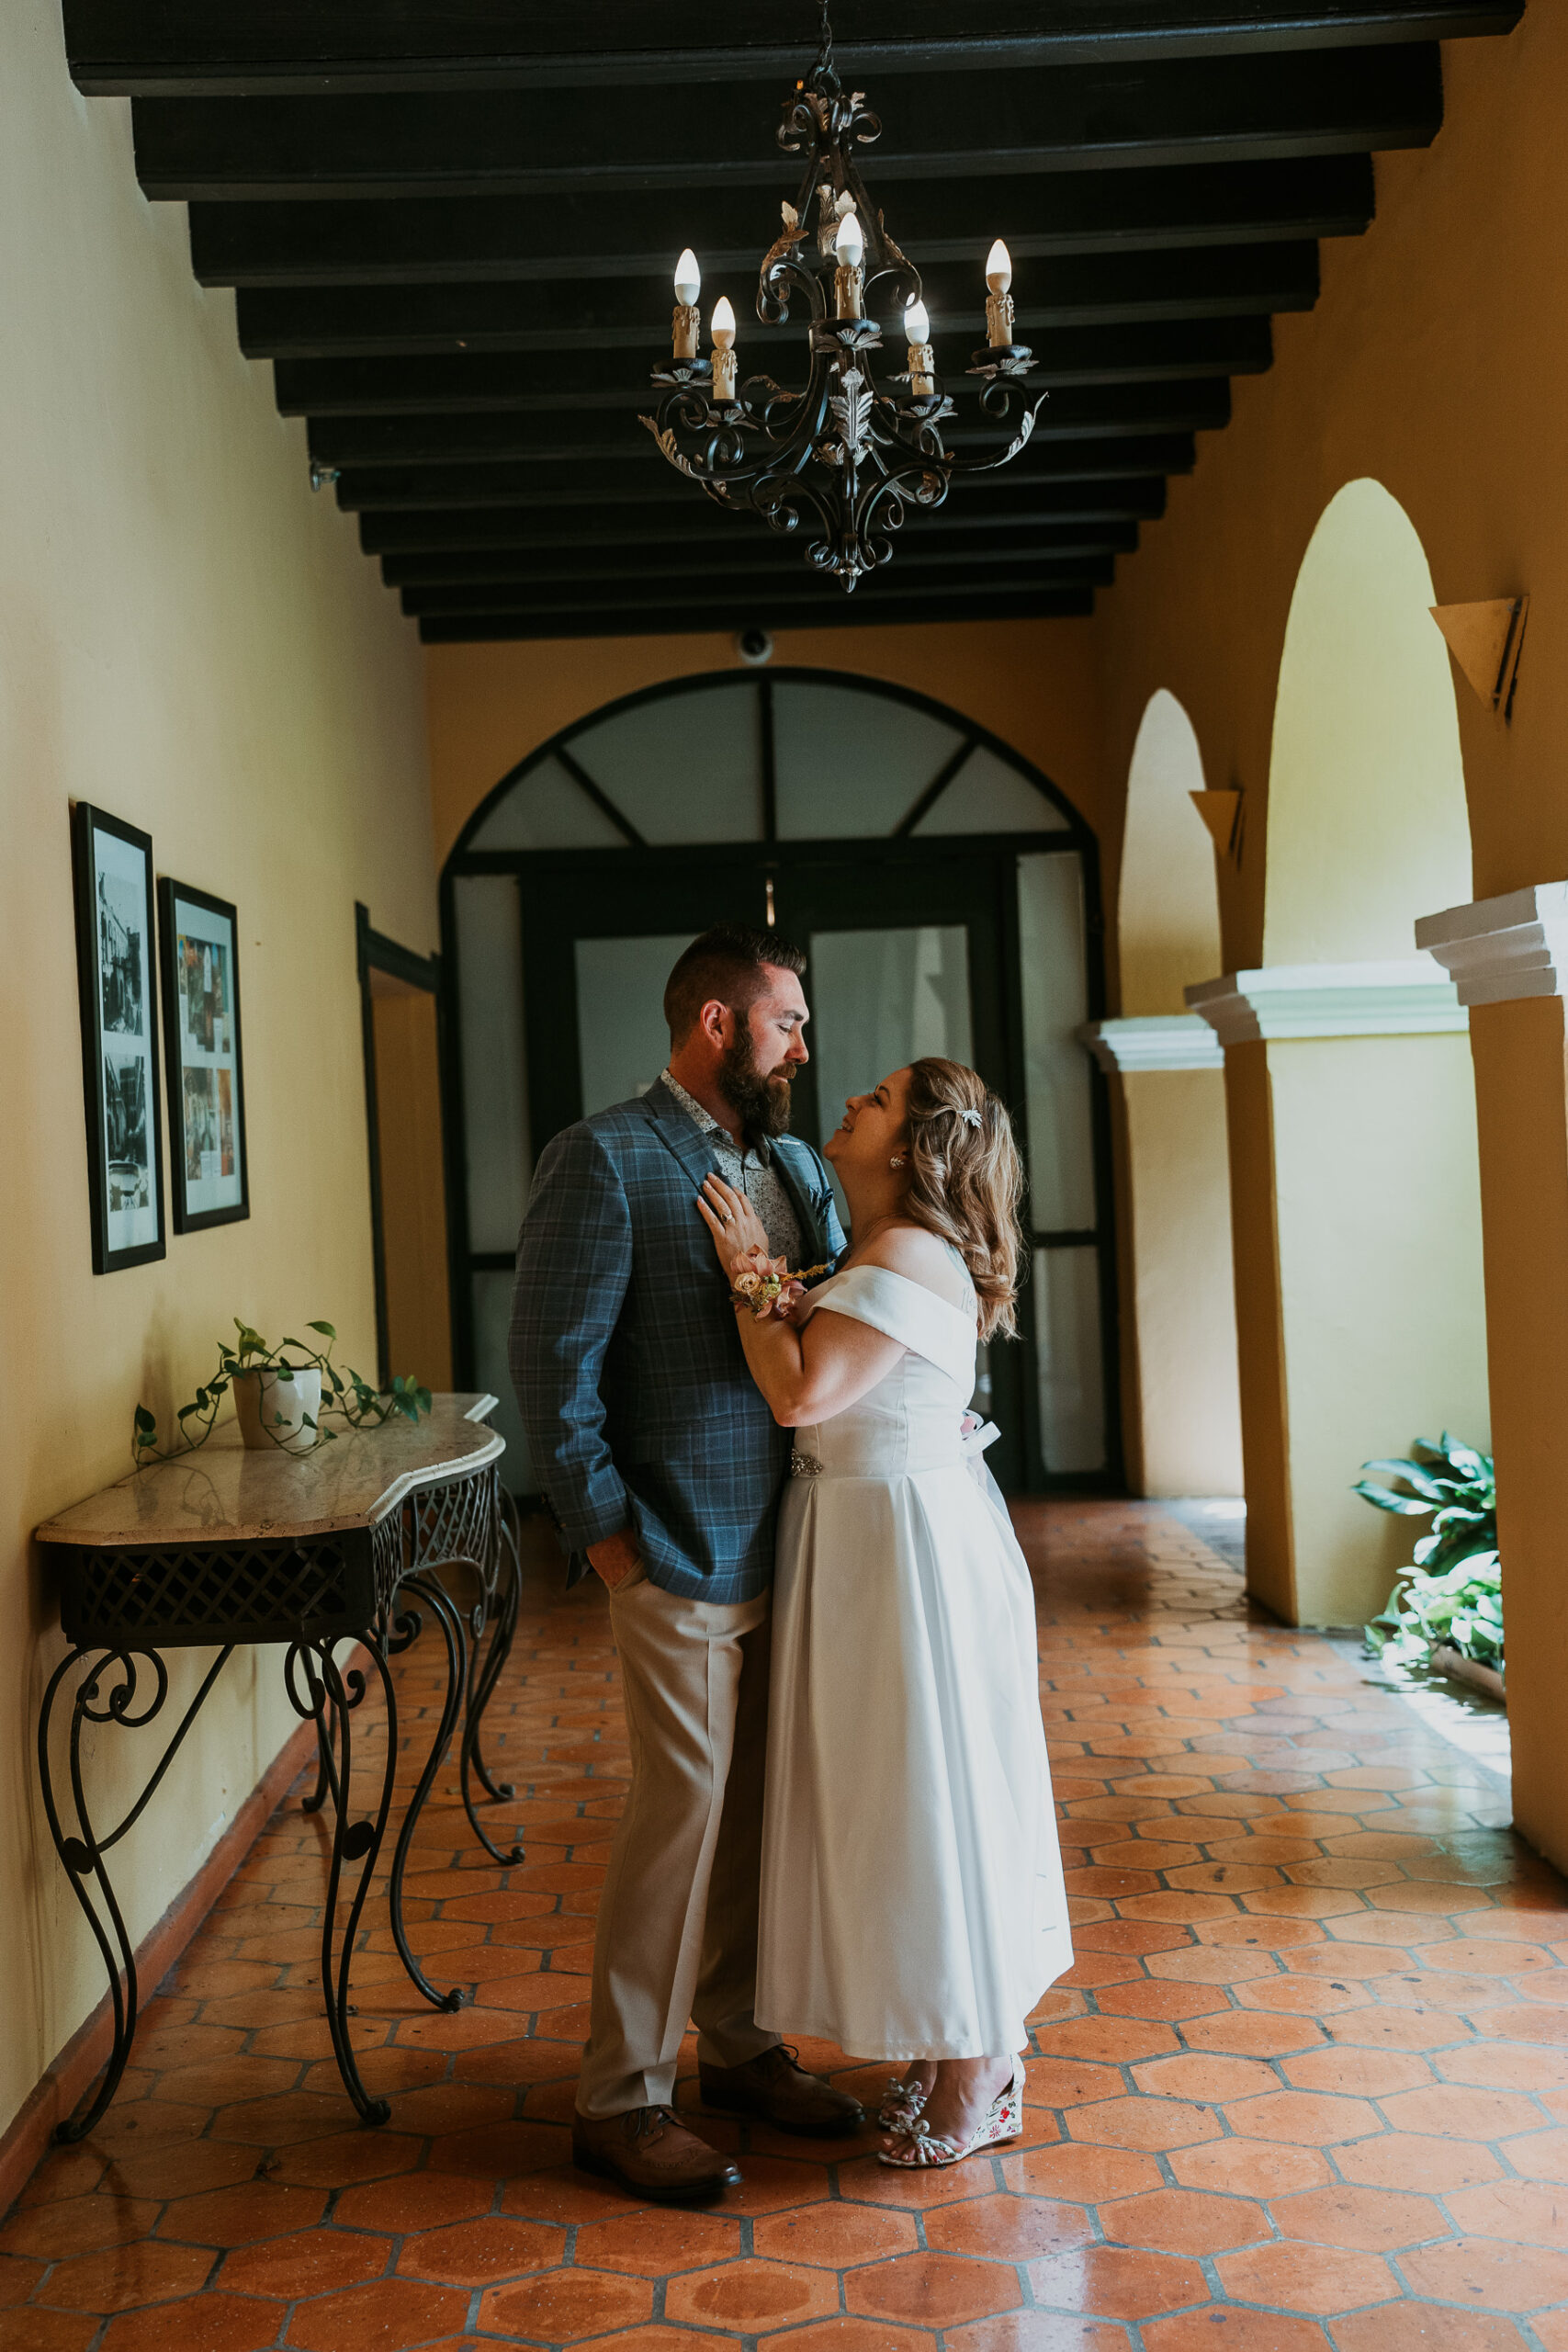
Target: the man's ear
(713, 1022)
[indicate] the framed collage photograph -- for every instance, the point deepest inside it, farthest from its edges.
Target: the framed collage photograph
(120, 1039)
(209, 1178)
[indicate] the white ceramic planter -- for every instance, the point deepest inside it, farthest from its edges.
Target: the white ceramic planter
(273, 1411)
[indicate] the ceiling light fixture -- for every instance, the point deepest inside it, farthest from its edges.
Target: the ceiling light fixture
(844, 457)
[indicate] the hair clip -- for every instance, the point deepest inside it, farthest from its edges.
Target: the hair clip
(970, 1118)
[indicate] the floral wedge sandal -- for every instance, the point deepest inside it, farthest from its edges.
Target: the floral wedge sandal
(1003, 2120)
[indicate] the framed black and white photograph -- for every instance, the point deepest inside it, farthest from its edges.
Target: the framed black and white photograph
(120, 1039)
(210, 1180)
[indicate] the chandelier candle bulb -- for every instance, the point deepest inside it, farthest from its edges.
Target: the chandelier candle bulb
(686, 323)
(723, 349)
(999, 300)
(917, 335)
(849, 278)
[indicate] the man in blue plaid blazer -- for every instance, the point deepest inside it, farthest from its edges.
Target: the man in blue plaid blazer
(661, 1467)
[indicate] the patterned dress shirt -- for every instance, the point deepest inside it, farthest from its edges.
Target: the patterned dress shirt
(747, 1171)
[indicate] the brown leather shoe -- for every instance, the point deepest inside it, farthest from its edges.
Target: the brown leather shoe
(652, 2155)
(776, 2086)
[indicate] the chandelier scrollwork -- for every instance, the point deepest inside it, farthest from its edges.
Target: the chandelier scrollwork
(845, 460)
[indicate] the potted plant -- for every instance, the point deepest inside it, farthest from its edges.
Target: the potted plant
(1446, 1611)
(278, 1398)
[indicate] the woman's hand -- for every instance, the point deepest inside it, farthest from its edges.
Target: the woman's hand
(732, 1221)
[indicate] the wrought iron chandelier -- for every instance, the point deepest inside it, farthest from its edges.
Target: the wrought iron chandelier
(845, 458)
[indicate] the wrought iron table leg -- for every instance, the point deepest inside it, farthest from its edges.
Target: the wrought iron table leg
(508, 1583)
(479, 1694)
(318, 1797)
(83, 1855)
(406, 1624)
(330, 1697)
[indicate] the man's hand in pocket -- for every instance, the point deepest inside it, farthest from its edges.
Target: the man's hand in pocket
(614, 1557)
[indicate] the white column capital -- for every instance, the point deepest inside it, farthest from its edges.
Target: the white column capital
(1154, 1041)
(1499, 949)
(1408, 996)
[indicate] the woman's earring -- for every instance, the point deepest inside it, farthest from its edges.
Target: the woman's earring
(897, 1160)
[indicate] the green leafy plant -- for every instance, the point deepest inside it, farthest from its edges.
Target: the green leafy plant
(344, 1393)
(1450, 1596)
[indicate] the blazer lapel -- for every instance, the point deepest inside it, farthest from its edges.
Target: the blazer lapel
(680, 1134)
(808, 1216)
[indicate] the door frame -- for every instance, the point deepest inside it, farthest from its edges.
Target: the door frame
(374, 952)
(659, 873)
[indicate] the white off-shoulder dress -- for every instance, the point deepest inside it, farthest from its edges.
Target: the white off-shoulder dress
(912, 1901)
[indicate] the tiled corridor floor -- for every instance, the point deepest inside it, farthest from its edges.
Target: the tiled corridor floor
(1306, 2087)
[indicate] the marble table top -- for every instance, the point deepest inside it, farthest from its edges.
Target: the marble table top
(223, 1493)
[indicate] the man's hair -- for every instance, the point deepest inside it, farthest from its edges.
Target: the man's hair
(726, 966)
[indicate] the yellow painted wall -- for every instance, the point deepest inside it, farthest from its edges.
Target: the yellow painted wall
(1377, 1199)
(413, 1183)
(190, 639)
(1182, 1307)
(1032, 683)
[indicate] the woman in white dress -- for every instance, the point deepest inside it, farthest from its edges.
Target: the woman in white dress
(912, 1904)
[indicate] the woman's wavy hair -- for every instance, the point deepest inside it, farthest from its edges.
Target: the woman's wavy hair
(967, 1181)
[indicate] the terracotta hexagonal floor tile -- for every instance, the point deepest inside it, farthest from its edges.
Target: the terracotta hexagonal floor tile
(825, 2335)
(1413, 2327)
(473, 2253)
(1249, 2167)
(660, 2240)
(68, 2225)
(1116, 2283)
(1363, 2073)
(217, 2323)
(1116, 2042)
(497, 2149)
(1462, 2111)
(1037, 2332)
(1379, 2220)
(865, 2181)
(1183, 2220)
(347, 2156)
(834, 2234)
(932, 2290)
(389, 2315)
(1087, 2174)
(242, 2213)
(1298, 2277)
(146, 2272)
(1408, 2160)
(310, 2262)
(1011, 2228)
(1250, 2033)
(1488, 2276)
(33, 2330)
(424, 2200)
(1211, 2079)
(1149, 2124)
(1532, 2213)
(1312, 2119)
(560, 2306)
(751, 2295)
(1221, 2327)
(1066, 2082)
(1494, 2065)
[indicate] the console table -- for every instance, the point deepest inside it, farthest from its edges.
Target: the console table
(224, 1547)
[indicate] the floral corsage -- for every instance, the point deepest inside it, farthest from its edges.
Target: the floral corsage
(766, 1285)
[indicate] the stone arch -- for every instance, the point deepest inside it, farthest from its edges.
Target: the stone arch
(1168, 900)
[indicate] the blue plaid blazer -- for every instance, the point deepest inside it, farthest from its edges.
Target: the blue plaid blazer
(630, 1379)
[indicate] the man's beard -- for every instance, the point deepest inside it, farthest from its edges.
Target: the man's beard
(760, 1102)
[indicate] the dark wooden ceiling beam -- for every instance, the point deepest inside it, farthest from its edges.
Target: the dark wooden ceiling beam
(784, 578)
(1117, 292)
(978, 125)
(469, 240)
(190, 48)
(474, 543)
(732, 552)
(826, 608)
(351, 323)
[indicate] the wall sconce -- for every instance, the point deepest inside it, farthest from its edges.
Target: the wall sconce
(1484, 639)
(1222, 812)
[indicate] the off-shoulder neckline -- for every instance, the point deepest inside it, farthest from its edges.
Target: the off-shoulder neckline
(964, 1314)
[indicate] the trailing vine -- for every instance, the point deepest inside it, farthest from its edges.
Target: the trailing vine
(345, 1394)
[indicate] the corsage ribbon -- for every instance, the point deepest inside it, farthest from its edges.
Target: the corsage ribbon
(766, 1284)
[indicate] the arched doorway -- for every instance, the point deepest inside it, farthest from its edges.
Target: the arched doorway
(1348, 1076)
(1184, 1436)
(947, 895)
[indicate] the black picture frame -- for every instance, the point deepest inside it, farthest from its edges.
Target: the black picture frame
(205, 1060)
(118, 988)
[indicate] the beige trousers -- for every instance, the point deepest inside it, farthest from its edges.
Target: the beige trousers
(677, 1928)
